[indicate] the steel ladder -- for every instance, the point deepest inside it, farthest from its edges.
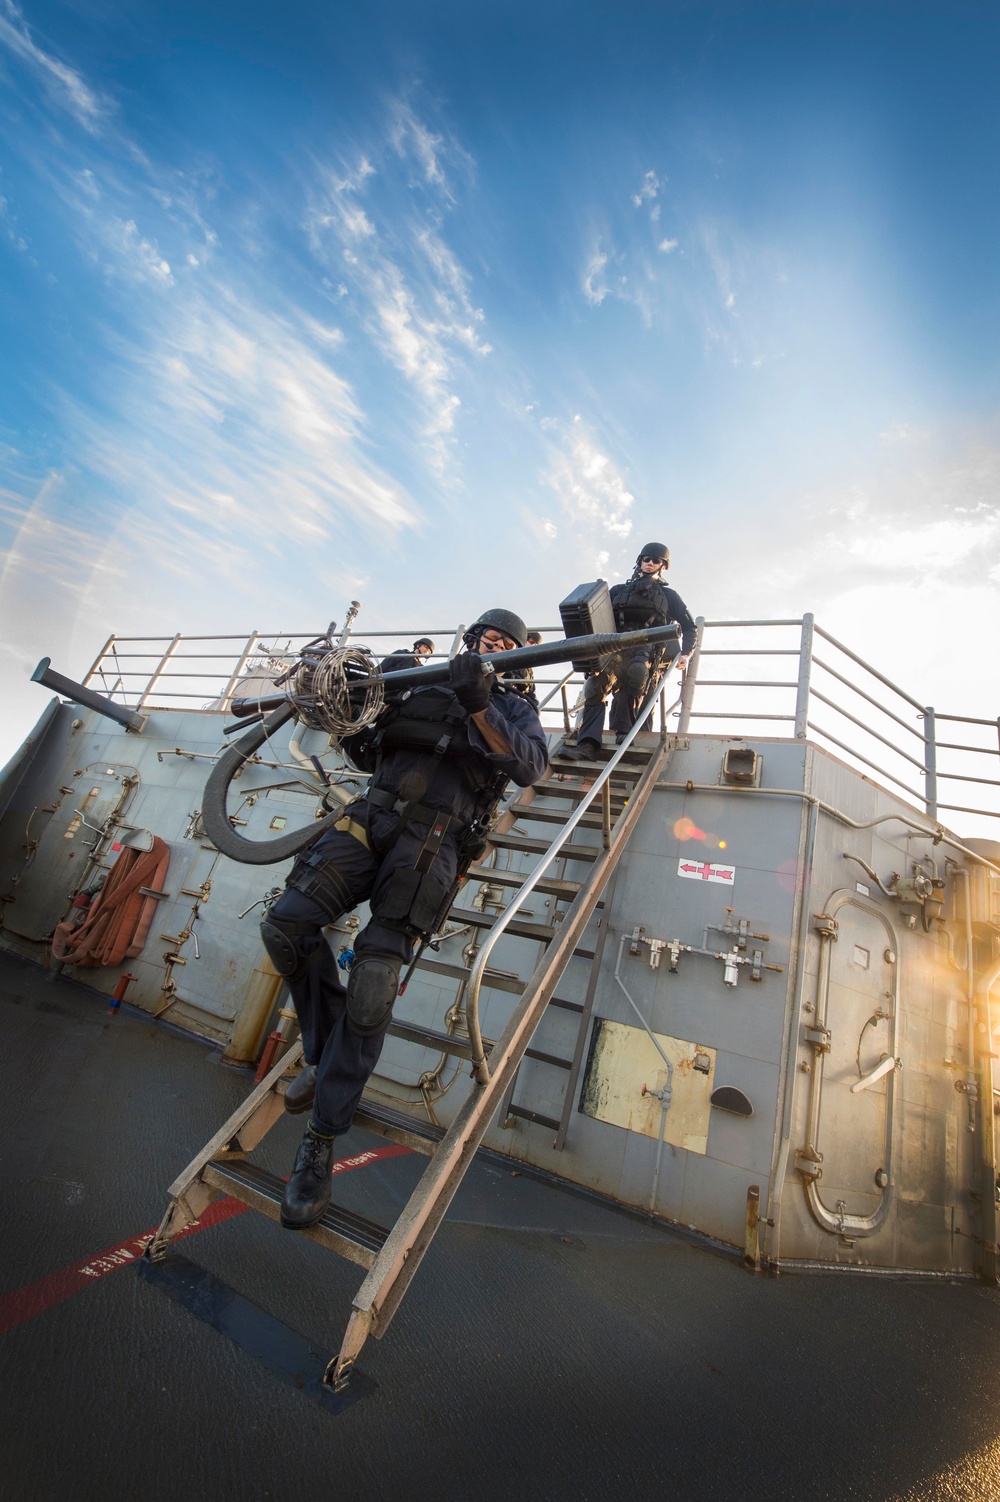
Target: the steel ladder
(607, 796)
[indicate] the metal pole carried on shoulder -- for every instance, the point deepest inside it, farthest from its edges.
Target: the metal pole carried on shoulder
(339, 689)
(572, 648)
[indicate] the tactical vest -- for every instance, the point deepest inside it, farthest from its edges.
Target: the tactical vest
(639, 603)
(424, 719)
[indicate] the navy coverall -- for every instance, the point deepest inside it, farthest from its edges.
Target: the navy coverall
(628, 674)
(360, 855)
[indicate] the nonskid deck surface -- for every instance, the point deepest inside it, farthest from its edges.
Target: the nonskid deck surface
(551, 1347)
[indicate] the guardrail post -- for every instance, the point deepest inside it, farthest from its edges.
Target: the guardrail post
(805, 675)
(930, 765)
(98, 660)
(245, 655)
(691, 678)
(162, 664)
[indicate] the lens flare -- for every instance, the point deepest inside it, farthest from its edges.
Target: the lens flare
(687, 829)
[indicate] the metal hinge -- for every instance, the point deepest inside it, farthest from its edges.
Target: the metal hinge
(819, 1037)
(808, 1162)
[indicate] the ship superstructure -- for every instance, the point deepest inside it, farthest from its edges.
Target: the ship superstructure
(771, 1020)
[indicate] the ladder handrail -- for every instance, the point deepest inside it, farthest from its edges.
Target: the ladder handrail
(561, 684)
(380, 1294)
(480, 1067)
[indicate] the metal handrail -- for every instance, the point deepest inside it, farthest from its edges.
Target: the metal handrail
(839, 709)
(472, 990)
(819, 663)
(869, 669)
(873, 764)
(250, 654)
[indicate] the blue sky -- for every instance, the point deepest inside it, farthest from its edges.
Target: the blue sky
(445, 306)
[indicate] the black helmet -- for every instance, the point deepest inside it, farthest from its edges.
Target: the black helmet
(504, 621)
(424, 641)
(657, 551)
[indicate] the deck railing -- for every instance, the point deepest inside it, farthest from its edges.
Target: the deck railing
(789, 679)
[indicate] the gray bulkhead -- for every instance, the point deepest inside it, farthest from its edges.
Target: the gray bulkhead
(899, 1170)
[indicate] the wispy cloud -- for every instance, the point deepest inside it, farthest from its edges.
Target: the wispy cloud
(411, 291)
(595, 287)
(607, 273)
(233, 423)
(436, 155)
(60, 81)
(648, 191)
(594, 498)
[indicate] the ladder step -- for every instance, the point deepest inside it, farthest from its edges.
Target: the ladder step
(532, 811)
(496, 980)
(569, 1006)
(342, 1231)
(535, 1116)
(532, 846)
(420, 1136)
(636, 757)
(430, 1037)
(548, 1058)
(519, 928)
(549, 885)
(575, 790)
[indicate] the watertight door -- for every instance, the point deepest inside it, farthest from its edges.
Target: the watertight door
(859, 1015)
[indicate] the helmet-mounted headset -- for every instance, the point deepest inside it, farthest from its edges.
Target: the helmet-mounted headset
(503, 621)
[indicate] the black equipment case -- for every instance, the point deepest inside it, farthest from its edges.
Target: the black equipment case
(587, 612)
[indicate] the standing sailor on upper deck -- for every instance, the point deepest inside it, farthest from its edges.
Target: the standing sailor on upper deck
(643, 601)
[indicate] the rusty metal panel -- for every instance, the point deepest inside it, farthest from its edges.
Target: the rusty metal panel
(624, 1062)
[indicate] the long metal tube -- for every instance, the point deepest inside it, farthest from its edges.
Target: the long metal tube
(572, 647)
(70, 689)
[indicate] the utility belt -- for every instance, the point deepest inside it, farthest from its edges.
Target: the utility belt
(408, 811)
(414, 900)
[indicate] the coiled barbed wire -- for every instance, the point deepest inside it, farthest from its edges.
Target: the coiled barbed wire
(321, 688)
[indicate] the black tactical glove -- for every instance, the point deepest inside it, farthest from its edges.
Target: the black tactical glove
(468, 683)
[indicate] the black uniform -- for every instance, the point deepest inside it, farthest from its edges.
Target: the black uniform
(398, 662)
(642, 602)
(433, 776)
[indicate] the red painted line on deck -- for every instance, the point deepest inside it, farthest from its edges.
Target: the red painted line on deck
(34, 1298)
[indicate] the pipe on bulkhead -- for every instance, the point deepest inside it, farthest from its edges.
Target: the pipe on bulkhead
(971, 1084)
(840, 1223)
(789, 1038)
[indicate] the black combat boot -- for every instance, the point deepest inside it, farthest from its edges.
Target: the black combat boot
(587, 750)
(299, 1094)
(307, 1192)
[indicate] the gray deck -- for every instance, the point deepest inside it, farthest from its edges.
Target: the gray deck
(551, 1347)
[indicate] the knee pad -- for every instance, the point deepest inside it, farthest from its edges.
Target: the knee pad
(284, 945)
(371, 993)
(635, 677)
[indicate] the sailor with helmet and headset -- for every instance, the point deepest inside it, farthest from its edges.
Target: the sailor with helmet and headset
(645, 600)
(397, 662)
(439, 757)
